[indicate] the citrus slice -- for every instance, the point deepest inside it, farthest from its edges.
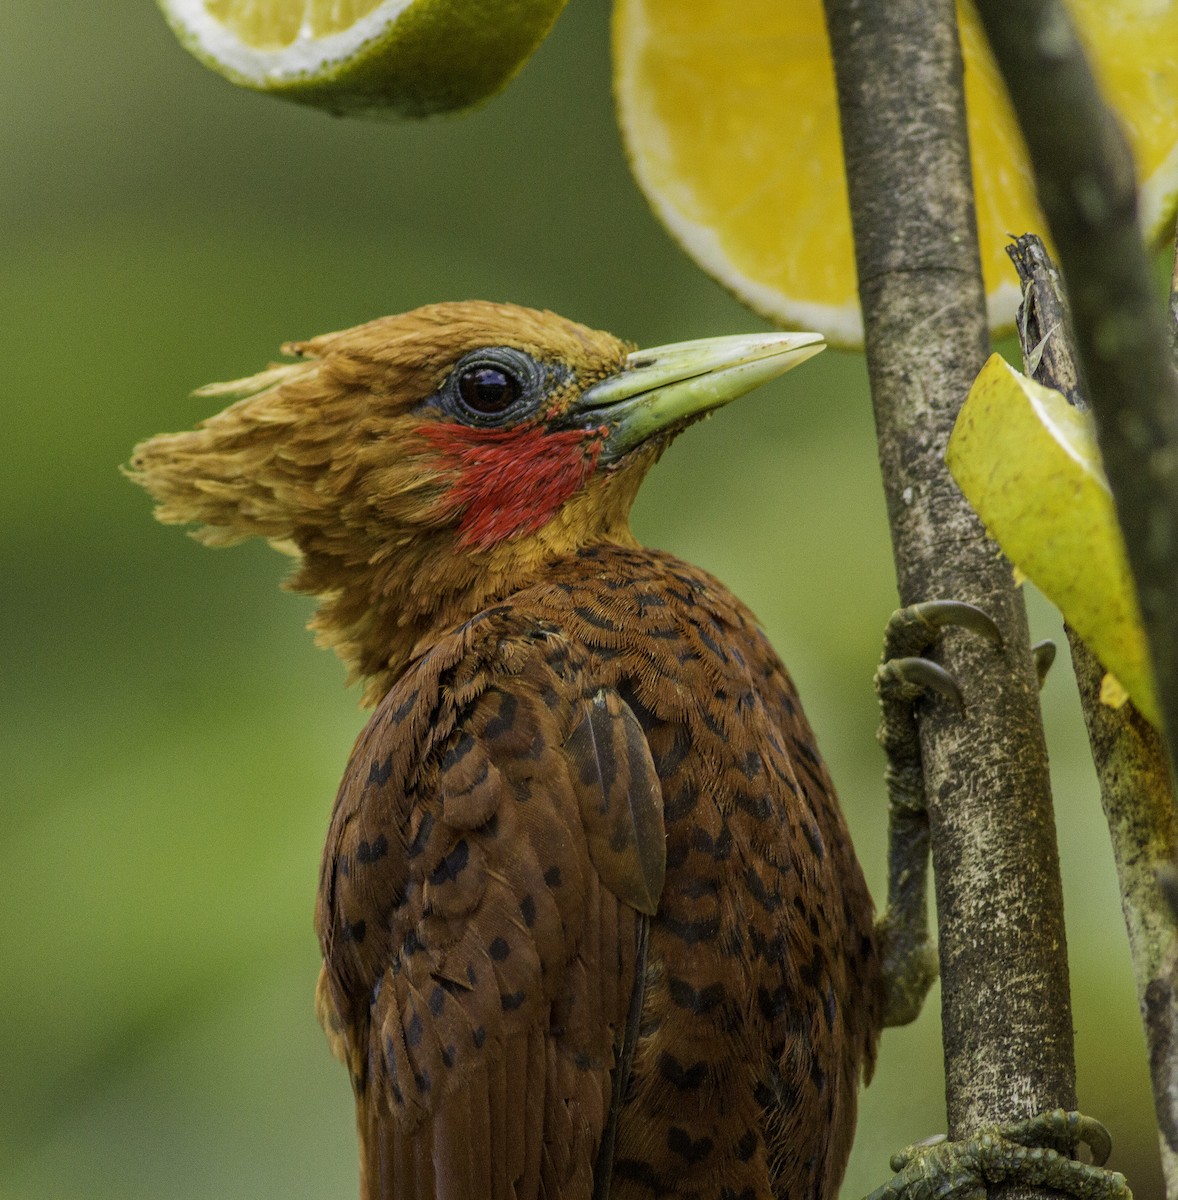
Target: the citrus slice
(1028, 463)
(404, 58)
(730, 120)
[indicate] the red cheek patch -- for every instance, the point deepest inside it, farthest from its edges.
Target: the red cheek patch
(510, 482)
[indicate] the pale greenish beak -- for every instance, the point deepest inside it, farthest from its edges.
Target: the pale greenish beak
(668, 386)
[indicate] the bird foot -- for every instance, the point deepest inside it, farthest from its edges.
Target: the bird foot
(903, 677)
(1031, 1153)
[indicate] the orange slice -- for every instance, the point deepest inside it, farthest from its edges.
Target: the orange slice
(730, 120)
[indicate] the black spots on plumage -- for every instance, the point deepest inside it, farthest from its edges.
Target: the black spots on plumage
(787, 703)
(829, 1007)
(471, 976)
(696, 1000)
(758, 806)
(424, 829)
(670, 758)
(452, 865)
(814, 972)
(448, 1055)
(679, 805)
(490, 827)
(668, 633)
(414, 1031)
(499, 949)
(817, 1074)
(510, 1001)
(412, 944)
(773, 1003)
(699, 886)
(379, 772)
(527, 908)
(813, 837)
(807, 756)
(765, 1096)
(677, 851)
(750, 766)
(596, 619)
(693, 1150)
(437, 1000)
(553, 877)
(692, 933)
(373, 851)
(711, 643)
(453, 987)
(478, 1036)
(458, 750)
(769, 900)
(405, 707)
(768, 949)
(686, 1079)
(719, 847)
(747, 1193)
(715, 726)
(503, 721)
(353, 931)
(634, 1170)
(423, 1081)
(747, 1146)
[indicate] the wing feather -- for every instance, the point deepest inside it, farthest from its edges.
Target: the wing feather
(498, 830)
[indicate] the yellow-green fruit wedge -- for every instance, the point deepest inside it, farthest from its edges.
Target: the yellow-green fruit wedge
(1028, 463)
(383, 58)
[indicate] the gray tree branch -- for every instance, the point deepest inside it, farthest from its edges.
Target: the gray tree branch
(1005, 999)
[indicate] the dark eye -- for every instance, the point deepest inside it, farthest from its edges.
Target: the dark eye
(488, 390)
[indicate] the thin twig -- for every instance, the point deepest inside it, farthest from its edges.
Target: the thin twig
(1128, 752)
(1005, 1001)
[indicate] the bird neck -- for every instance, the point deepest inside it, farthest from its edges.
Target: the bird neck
(382, 609)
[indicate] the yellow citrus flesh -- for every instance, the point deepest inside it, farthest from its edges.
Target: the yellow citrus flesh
(274, 24)
(730, 119)
(375, 57)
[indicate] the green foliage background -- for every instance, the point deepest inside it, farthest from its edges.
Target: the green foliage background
(171, 740)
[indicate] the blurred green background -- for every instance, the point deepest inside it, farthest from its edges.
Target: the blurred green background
(172, 740)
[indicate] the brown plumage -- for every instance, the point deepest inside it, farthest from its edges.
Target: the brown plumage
(590, 916)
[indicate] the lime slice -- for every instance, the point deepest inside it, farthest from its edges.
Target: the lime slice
(406, 58)
(1028, 463)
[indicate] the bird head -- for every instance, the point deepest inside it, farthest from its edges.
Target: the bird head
(423, 465)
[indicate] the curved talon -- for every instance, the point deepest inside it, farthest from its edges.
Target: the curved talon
(940, 613)
(1044, 655)
(1064, 1130)
(922, 673)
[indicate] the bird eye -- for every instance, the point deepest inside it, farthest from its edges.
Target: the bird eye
(488, 390)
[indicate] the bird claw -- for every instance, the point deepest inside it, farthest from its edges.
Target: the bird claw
(1034, 1153)
(904, 675)
(1043, 655)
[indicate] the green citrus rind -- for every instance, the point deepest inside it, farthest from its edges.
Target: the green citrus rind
(412, 58)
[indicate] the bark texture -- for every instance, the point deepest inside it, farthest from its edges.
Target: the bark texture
(1005, 1000)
